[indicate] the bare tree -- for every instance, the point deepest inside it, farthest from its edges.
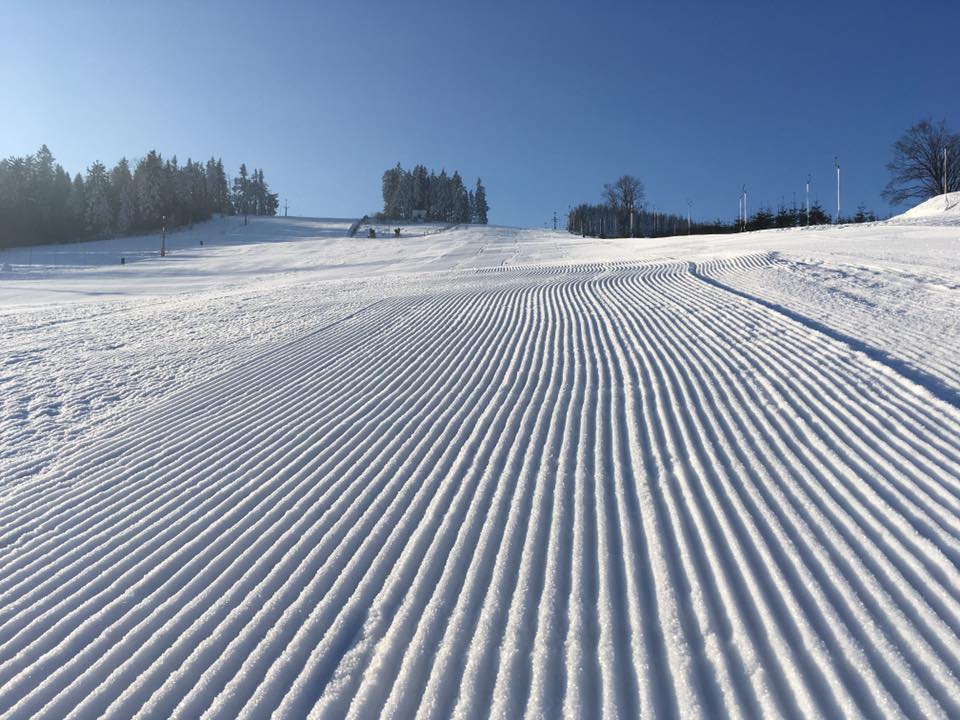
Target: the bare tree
(623, 197)
(917, 165)
(625, 194)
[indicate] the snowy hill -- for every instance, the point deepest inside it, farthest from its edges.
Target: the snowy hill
(482, 471)
(941, 207)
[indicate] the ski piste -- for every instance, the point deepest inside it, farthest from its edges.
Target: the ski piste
(482, 470)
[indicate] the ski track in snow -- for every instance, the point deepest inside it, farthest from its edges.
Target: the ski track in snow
(844, 300)
(607, 488)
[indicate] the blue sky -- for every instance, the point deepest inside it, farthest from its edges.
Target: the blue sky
(545, 101)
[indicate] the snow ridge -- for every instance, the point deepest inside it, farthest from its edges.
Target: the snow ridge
(611, 488)
(940, 207)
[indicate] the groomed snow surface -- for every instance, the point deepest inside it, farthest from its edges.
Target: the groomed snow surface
(482, 472)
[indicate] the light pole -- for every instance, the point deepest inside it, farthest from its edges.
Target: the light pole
(163, 235)
(808, 199)
(689, 212)
(836, 220)
(744, 207)
(944, 172)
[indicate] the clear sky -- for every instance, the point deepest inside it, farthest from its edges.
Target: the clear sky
(545, 101)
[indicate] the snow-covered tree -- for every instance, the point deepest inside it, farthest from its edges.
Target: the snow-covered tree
(405, 202)
(193, 189)
(44, 171)
(61, 225)
(39, 202)
(123, 197)
(149, 181)
(443, 197)
(77, 205)
(98, 214)
(392, 191)
(420, 187)
(179, 199)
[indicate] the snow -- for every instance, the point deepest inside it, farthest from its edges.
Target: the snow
(482, 470)
(407, 229)
(944, 207)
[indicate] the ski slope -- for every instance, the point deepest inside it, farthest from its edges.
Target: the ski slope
(484, 471)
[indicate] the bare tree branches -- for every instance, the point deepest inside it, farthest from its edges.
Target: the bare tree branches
(625, 194)
(917, 165)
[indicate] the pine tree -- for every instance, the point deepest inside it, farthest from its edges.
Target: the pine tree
(182, 193)
(39, 202)
(170, 192)
(123, 197)
(430, 202)
(218, 192)
(211, 179)
(864, 215)
(480, 206)
(44, 173)
(195, 181)
(19, 211)
(261, 192)
(785, 217)
(817, 214)
(61, 221)
(762, 219)
(405, 203)
(44, 167)
(460, 205)
(269, 201)
(392, 182)
(421, 187)
(77, 205)
(443, 202)
(223, 190)
(99, 214)
(241, 191)
(148, 181)
(254, 193)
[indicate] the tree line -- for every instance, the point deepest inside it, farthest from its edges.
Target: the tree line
(40, 203)
(440, 198)
(622, 214)
(786, 217)
(926, 163)
(604, 221)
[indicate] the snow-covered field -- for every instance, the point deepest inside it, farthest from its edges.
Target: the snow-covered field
(483, 471)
